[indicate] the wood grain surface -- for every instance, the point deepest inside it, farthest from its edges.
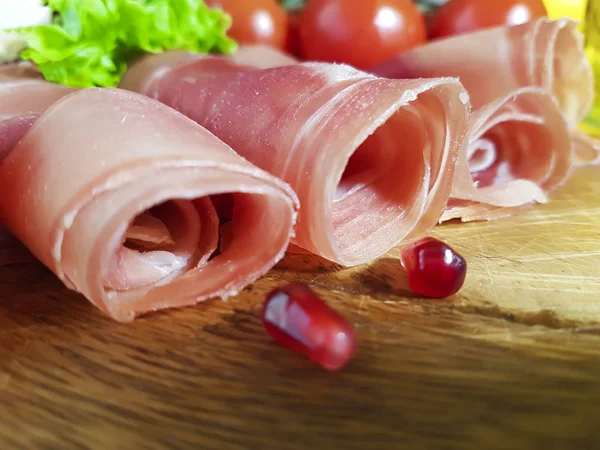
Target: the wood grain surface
(512, 362)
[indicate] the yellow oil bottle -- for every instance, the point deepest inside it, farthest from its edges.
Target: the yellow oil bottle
(587, 12)
(592, 45)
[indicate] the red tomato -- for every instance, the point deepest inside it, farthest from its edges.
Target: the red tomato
(464, 16)
(255, 21)
(360, 33)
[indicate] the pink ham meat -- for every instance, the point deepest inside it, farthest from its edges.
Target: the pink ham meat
(529, 85)
(18, 112)
(519, 150)
(494, 63)
(24, 95)
(112, 191)
(371, 159)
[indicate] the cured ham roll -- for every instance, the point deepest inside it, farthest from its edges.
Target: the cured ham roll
(494, 63)
(112, 191)
(371, 159)
(23, 96)
(529, 85)
(519, 151)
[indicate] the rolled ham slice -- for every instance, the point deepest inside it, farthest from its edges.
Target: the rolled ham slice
(23, 97)
(529, 85)
(492, 64)
(519, 151)
(112, 191)
(371, 159)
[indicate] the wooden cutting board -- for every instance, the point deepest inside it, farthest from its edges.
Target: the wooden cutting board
(510, 362)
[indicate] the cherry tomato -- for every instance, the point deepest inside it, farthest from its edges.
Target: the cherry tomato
(360, 33)
(255, 21)
(464, 16)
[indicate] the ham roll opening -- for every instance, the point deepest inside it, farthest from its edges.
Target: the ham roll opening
(494, 63)
(519, 150)
(113, 192)
(371, 159)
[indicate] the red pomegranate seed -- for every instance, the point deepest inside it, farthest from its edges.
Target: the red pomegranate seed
(298, 319)
(434, 269)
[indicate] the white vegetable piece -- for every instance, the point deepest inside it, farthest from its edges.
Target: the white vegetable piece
(19, 14)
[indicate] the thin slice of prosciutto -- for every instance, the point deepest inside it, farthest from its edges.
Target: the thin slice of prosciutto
(112, 191)
(23, 97)
(530, 86)
(494, 63)
(519, 151)
(371, 159)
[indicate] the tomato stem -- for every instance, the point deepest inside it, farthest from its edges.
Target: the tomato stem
(293, 5)
(428, 6)
(424, 5)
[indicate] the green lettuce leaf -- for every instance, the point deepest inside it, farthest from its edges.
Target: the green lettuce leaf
(90, 42)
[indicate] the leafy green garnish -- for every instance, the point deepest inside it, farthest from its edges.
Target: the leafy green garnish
(90, 42)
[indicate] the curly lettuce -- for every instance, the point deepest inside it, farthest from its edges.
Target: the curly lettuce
(90, 42)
